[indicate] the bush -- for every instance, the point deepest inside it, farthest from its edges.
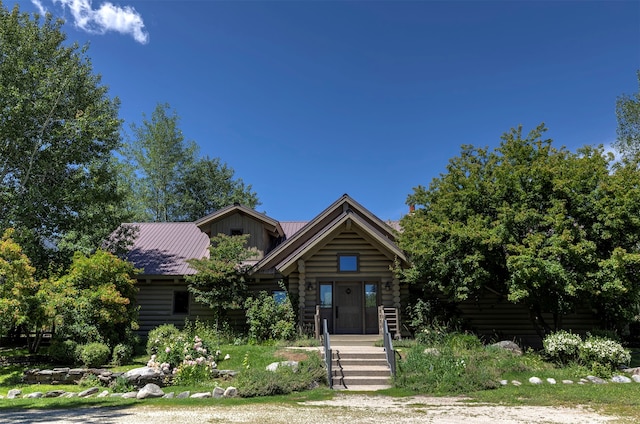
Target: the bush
(160, 337)
(63, 352)
(122, 353)
(269, 319)
(121, 385)
(562, 346)
(93, 354)
(608, 353)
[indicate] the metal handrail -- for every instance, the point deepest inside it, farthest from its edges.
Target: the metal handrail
(327, 352)
(388, 348)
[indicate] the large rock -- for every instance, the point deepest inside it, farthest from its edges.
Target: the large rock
(145, 375)
(89, 392)
(204, 395)
(150, 391)
(508, 345)
(620, 379)
(218, 392)
(275, 365)
(14, 393)
(535, 380)
(183, 395)
(230, 392)
(54, 393)
(34, 395)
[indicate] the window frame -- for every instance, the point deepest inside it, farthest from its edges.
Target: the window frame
(177, 296)
(355, 256)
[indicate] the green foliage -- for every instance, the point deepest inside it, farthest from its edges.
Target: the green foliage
(59, 130)
(608, 353)
(269, 319)
(90, 380)
(257, 381)
(549, 229)
(93, 354)
(628, 115)
(174, 184)
(457, 364)
(63, 352)
(122, 354)
(22, 297)
(94, 301)
(220, 280)
(121, 385)
(160, 337)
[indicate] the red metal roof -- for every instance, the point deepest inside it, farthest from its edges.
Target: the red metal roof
(162, 248)
(292, 227)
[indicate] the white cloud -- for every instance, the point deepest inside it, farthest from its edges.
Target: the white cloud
(39, 6)
(108, 17)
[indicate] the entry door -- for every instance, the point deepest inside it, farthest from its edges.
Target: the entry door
(348, 304)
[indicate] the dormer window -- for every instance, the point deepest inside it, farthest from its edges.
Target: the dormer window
(347, 262)
(236, 231)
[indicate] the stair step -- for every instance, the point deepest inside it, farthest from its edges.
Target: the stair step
(364, 372)
(361, 381)
(361, 362)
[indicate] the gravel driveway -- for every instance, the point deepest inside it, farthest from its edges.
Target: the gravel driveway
(349, 409)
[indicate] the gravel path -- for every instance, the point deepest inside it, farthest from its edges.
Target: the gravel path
(351, 409)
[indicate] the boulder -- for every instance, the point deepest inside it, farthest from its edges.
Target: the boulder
(567, 381)
(169, 395)
(145, 375)
(150, 391)
(14, 393)
(34, 395)
(183, 395)
(535, 380)
(230, 392)
(204, 395)
(54, 393)
(596, 380)
(636, 378)
(88, 392)
(509, 345)
(130, 395)
(103, 393)
(551, 380)
(516, 383)
(620, 379)
(218, 392)
(275, 365)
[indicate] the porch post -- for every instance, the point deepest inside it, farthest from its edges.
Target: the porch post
(301, 292)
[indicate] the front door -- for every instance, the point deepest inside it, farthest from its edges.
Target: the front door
(348, 308)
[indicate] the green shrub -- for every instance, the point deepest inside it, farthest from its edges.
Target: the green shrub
(269, 319)
(121, 385)
(93, 354)
(122, 353)
(63, 352)
(608, 353)
(562, 346)
(160, 337)
(90, 380)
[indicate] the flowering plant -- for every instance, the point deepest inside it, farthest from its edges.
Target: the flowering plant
(603, 351)
(562, 346)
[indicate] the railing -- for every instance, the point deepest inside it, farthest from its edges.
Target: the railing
(388, 348)
(327, 352)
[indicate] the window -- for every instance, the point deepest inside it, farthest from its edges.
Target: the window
(181, 302)
(279, 296)
(326, 295)
(347, 263)
(236, 231)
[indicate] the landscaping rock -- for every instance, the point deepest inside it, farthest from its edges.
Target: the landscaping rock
(218, 392)
(504, 382)
(104, 393)
(34, 395)
(130, 395)
(567, 381)
(516, 383)
(169, 395)
(636, 378)
(204, 395)
(620, 379)
(89, 392)
(150, 391)
(551, 380)
(116, 395)
(509, 345)
(535, 380)
(596, 380)
(183, 395)
(14, 393)
(274, 365)
(54, 393)
(231, 392)
(69, 395)
(145, 375)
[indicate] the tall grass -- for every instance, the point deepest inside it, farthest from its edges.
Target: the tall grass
(459, 363)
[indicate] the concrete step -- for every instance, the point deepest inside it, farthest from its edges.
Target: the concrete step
(350, 382)
(357, 362)
(365, 371)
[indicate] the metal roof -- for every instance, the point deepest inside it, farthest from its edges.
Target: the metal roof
(163, 248)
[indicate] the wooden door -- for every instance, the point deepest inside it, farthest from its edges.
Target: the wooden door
(348, 308)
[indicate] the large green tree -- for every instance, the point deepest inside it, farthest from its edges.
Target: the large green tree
(543, 226)
(170, 182)
(58, 130)
(628, 115)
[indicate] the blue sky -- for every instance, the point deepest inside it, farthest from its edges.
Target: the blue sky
(308, 100)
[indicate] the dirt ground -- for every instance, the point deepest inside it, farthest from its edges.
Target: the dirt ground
(344, 409)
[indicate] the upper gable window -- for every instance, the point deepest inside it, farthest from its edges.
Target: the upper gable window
(236, 231)
(348, 262)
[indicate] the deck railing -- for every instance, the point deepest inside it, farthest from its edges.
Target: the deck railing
(388, 348)
(327, 352)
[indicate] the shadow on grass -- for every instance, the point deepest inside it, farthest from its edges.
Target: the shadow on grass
(72, 411)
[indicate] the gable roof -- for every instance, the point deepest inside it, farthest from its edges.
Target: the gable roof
(271, 224)
(319, 228)
(163, 248)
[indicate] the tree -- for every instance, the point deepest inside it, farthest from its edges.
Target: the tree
(209, 186)
(95, 300)
(58, 132)
(628, 115)
(174, 184)
(541, 225)
(22, 297)
(161, 154)
(220, 279)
